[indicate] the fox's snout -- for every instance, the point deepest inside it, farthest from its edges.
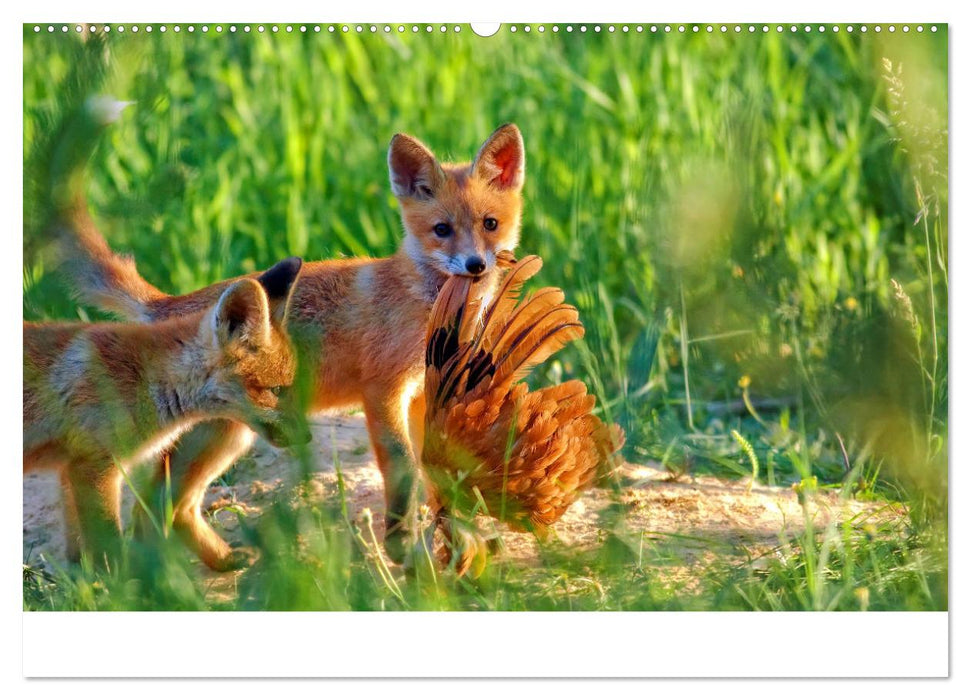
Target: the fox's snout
(475, 265)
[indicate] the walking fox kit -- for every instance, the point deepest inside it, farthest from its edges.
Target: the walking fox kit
(358, 324)
(99, 398)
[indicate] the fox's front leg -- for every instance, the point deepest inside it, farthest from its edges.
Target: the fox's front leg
(387, 413)
(202, 456)
(425, 491)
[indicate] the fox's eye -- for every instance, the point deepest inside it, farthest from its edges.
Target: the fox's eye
(490, 224)
(276, 390)
(442, 230)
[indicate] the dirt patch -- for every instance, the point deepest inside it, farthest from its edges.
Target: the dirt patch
(683, 522)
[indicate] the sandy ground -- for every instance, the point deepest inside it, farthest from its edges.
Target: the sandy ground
(686, 521)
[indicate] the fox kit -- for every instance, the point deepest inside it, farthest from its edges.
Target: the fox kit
(358, 324)
(99, 398)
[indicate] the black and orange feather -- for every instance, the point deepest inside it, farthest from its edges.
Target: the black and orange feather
(527, 453)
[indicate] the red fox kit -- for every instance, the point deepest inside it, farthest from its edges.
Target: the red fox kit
(358, 324)
(100, 398)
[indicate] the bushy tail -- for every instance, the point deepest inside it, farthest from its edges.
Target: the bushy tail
(97, 275)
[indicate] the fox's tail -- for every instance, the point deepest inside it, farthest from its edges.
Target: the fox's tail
(97, 274)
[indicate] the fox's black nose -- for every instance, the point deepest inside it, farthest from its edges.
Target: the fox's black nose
(475, 265)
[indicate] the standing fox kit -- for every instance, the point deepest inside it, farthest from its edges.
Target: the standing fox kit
(358, 324)
(100, 398)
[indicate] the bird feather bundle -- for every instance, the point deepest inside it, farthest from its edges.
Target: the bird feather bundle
(528, 454)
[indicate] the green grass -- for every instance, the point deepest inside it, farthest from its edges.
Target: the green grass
(754, 228)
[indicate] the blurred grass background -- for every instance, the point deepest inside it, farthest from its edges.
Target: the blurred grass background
(753, 226)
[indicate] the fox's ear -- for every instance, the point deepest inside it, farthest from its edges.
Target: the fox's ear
(278, 282)
(502, 159)
(413, 168)
(242, 314)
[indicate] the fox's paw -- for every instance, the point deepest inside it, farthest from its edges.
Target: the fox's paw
(237, 558)
(397, 541)
(420, 552)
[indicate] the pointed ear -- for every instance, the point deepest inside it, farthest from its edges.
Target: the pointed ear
(277, 282)
(502, 159)
(413, 168)
(242, 314)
